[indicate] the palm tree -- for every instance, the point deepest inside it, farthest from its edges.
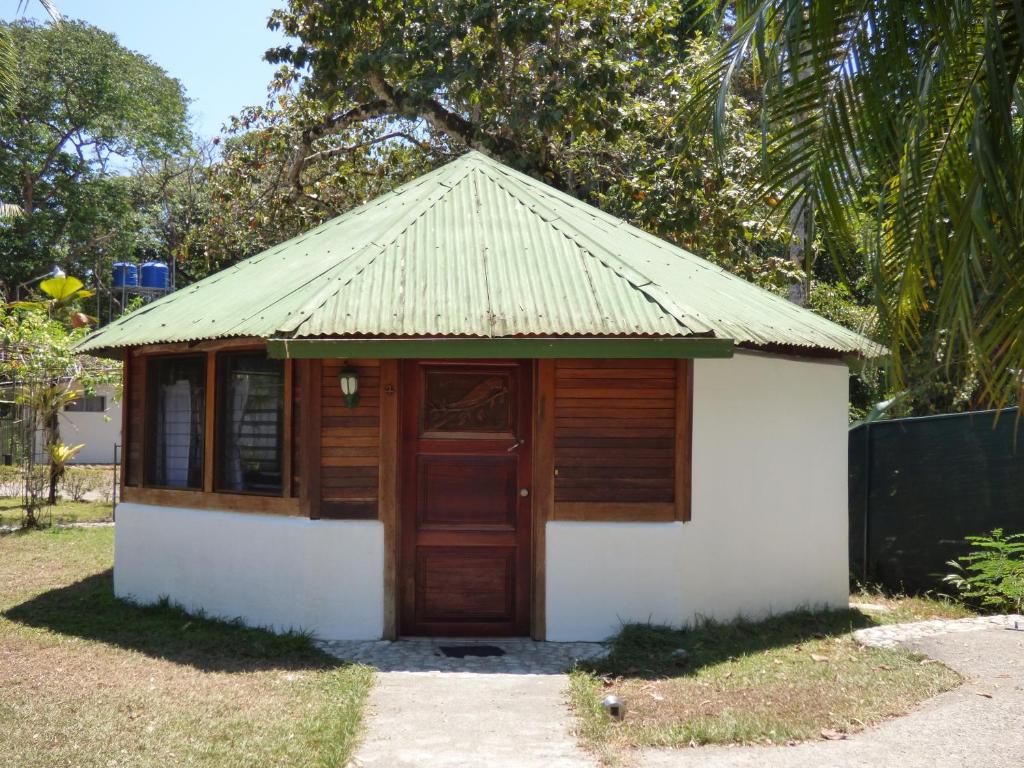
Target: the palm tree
(899, 123)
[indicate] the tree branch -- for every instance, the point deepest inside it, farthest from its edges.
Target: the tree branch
(333, 124)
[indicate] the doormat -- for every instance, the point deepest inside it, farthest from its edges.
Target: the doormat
(462, 651)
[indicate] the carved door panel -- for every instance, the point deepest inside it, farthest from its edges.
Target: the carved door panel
(465, 530)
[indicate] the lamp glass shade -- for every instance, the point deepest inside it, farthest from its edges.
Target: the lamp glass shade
(348, 380)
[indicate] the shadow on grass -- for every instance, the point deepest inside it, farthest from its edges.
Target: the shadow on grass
(651, 652)
(88, 609)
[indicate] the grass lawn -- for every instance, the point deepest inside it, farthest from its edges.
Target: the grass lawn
(87, 680)
(62, 512)
(795, 677)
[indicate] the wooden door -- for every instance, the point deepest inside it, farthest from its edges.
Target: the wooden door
(465, 528)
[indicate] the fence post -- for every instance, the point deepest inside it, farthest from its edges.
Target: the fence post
(867, 503)
(113, 494)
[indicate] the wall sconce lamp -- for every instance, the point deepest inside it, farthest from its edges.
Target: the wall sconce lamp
(348, 380)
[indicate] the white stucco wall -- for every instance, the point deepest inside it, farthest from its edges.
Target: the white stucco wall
(98, 431)
(769, 511)
(323, 576)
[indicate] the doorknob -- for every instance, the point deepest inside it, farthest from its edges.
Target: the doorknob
(514, 445)
(524, 492)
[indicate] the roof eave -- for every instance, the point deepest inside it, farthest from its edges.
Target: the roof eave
(501, 347)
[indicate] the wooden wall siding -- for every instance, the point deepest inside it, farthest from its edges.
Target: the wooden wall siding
(349, 443)
(296, 370)
(133, 415)
(617, 438)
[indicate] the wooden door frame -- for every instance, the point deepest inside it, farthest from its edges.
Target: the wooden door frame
(390, 496)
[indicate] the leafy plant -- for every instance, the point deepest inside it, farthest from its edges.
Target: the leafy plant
(78, 482)
(992, 574)
(906, 115)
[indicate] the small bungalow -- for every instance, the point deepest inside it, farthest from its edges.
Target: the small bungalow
(477, 406)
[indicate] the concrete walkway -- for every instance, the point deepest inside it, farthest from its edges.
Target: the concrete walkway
(430, 709)
(978, 725)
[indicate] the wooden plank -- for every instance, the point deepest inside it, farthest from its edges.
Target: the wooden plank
(667, 402)
(387, 490)
(348, 461)
(684, 439)
(372, 422)
(611, 471)
(330, 439)
(329, 432)
(641, 433)
(139, 439)
(209, 422)
(605, 413)
(126, 387)
(631, 364)
(287, 430)
(583, 376)
(348, 510)
(614, 443)
(617, 494)
(614, 512)
(611, 421)
(211, 345)
(310, 437)
(366, 493)
(338, 451)
(543, 486)
(227, 502)
(623, 394)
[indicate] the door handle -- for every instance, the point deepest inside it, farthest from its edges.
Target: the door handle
(524, 492)
(514, 445)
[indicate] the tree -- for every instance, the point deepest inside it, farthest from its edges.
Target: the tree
(40, 372)
(582, 95)
(85, 107)
(905, 115)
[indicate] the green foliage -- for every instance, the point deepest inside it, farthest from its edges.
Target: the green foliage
(904, 116)
(992, 574)
(39, 366)
(77, 482)
(582, 95)
(83, 104)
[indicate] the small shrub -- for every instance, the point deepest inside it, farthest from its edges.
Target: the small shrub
(80, 481)
(992, 574)
(10, 481)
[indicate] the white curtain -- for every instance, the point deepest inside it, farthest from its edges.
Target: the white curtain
(239, 398)
(174, 433)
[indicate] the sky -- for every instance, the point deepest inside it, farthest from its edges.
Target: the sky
(215, 48)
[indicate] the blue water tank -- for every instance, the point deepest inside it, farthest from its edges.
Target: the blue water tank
(126, 274)
(155, 274)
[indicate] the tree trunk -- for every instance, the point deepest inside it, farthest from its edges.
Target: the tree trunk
(799, 225)
(53, 438)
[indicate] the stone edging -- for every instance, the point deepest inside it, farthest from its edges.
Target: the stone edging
(891, 635)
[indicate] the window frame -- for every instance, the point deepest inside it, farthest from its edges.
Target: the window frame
(137, 360)
(220, 412)
(149, 428)
(78, 404)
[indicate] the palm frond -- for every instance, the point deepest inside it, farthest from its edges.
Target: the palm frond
(908, 110)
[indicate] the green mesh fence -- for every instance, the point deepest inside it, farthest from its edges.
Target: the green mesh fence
(919, 486)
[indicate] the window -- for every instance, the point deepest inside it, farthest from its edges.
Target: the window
(88, 404)
(176, 423)
(250, 423)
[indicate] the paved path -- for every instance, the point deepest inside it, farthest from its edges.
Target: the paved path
(978, 725)
(428, 709)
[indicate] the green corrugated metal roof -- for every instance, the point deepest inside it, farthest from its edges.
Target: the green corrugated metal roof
(475, 249)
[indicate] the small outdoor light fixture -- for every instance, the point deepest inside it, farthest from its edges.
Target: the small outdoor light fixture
(348, 380)
(613, 706)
